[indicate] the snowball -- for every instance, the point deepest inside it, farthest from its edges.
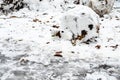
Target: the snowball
(81, 21)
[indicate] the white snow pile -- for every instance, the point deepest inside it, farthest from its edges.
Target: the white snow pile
(28, 50)
(82, 22)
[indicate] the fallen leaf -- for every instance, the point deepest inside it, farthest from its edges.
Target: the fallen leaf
(58, 54)
(98, 46)
(36, 20)
(55, 26)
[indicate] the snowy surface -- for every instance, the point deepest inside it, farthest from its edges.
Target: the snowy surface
(81, 21)
(29, 52)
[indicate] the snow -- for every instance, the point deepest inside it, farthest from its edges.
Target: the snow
(76, 22)
(101, 7)
(27, 48)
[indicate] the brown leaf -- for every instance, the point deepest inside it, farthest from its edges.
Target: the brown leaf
(58, 34)
(115, 46)
(58, 54)
(13, 16)
(98, 46)
(55, 26)
(36, 20)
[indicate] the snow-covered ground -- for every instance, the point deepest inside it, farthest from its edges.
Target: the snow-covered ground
(29, 52)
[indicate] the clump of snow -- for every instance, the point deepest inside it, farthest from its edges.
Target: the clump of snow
(29, 52)
(80, 21)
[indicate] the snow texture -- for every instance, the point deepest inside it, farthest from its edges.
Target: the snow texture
(81, 21)
(29, 52)
(101, 7)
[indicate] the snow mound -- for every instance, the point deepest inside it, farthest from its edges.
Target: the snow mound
(81, 22)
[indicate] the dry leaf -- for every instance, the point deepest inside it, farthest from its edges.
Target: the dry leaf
(55, 26)
(58, 54)
(36, 20)
(98, 46)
